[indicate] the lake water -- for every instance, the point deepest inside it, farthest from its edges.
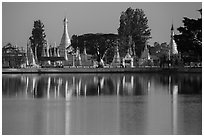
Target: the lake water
(102, 104)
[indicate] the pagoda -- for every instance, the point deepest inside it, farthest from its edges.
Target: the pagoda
(172, 44)
(65, 41)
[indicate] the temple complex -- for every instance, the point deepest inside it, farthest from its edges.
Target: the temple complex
(66, 55)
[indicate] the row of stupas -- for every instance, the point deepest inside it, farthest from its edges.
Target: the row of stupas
(64, 49)
(145, 56)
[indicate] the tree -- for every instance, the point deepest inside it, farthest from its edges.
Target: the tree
(189, 40)
(38, 39)
(133, 25)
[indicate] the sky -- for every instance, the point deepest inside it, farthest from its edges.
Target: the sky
(88, 17)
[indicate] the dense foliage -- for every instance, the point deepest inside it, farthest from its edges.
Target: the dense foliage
(133, 31)
(189, 40)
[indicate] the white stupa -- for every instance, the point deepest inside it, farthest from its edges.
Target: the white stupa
(65, 41)
(172, 44)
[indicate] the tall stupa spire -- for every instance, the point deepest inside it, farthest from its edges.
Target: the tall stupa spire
(172, 44)
(65, 40)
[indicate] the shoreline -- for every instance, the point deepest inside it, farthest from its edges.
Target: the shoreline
(103, 70)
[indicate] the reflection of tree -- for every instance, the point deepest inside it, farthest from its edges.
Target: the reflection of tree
(95, 87)
(190, 84)
(101, 85)
(109, 88)
(41, 88)
(12, 85)
(164, 79)
(137, 86)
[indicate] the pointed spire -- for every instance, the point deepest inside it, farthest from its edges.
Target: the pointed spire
(172, 44)
(172, 27)
(172, 31)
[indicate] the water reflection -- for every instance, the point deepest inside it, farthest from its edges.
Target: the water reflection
(65, 86)
(102, 104)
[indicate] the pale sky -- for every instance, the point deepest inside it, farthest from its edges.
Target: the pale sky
(100, 17)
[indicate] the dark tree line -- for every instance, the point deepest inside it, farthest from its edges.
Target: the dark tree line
(189, 40)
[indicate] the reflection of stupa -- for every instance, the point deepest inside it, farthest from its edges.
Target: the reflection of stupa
(65, 43)
(128, 84)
